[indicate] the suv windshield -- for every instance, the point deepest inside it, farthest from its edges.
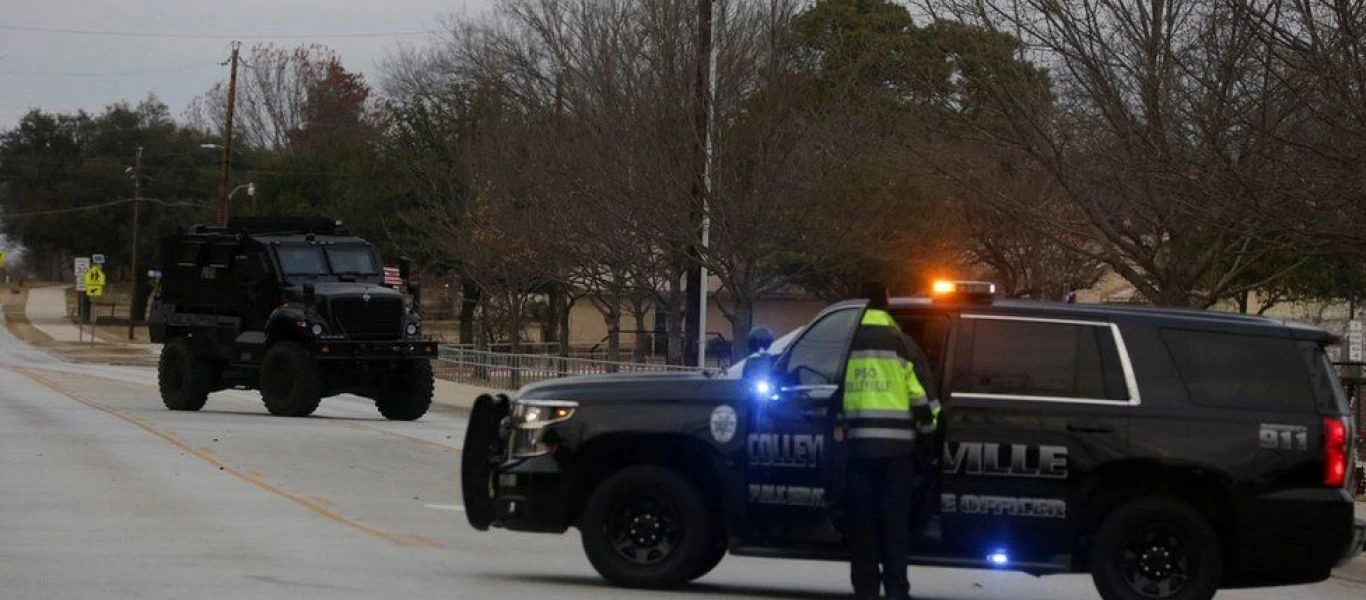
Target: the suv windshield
(301, 260)
(352, 259)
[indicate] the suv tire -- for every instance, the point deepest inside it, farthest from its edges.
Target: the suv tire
(291, 385)
(184, 379)
(1156, 549)
(648, 527)
(714, 556)
(407, 394)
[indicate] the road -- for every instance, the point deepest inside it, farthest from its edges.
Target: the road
(105, 494)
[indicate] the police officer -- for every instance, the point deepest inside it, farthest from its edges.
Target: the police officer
(886, 409)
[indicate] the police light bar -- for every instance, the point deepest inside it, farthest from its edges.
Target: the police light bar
(970, 291)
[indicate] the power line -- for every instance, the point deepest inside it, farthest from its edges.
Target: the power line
(247, 36)
(111, 203)
(60, 211)
(108, 74)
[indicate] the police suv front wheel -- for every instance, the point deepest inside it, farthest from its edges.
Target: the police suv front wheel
(648, 527)
(1156, 549)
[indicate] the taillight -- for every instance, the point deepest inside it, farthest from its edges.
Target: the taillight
(1334, 452)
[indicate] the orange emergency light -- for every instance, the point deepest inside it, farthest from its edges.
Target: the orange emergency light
(944, 290)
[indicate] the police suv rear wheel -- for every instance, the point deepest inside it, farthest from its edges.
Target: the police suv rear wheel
(183, 379)
(407, 395)
(648, 527)
(291, 385)
(1156, 549)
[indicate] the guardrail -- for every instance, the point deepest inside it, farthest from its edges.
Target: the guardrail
(512, 371)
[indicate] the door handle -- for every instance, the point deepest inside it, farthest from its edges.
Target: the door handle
(1090, 428)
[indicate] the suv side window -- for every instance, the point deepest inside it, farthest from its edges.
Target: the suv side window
(1248, 372)
(818, 357)
(1028, 359)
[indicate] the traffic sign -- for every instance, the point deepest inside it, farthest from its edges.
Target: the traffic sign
(97, 259)
(80, 265)
(94, 281)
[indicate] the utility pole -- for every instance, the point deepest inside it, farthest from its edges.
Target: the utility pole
(227, 138)
(133, 260)
(695, 312)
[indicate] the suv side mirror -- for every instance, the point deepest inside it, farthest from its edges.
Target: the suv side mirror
(405, 267)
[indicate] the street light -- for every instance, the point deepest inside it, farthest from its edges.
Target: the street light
(226, 201)
(251, 194)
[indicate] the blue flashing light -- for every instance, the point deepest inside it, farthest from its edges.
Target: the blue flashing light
(998, 558)
(763, 388)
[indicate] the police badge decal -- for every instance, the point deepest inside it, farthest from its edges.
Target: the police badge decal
(723, 423)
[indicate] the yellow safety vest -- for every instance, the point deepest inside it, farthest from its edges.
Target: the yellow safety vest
(885, 404)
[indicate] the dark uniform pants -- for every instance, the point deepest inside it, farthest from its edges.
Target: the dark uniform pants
(880, 495)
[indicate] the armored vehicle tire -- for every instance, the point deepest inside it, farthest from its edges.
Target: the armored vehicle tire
(291, 385)
(184, 379)
(1156, 549)
(407, 395)
(647, 527)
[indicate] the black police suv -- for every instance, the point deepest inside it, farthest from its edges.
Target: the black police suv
(1169, 453)
(296, 308)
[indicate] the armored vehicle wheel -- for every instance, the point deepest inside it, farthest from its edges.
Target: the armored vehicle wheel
(184, 379)
(647, 527)
(1156, 549)
(407, 394)
(291, 385)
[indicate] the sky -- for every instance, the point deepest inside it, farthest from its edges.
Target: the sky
(67, 71)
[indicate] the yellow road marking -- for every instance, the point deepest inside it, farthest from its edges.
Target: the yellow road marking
(405, 436)
(425, 541)
(322, 500)
(295, 498)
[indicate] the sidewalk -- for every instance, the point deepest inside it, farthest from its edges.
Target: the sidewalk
(459, 395)
(46, 311)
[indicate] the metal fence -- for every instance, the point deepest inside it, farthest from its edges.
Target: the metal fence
(512, 371)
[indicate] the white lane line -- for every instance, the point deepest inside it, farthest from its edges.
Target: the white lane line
(446, 507)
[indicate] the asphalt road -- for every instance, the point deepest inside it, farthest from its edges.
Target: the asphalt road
(105, 494)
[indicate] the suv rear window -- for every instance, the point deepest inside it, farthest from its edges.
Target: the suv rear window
(1239, 371)
(1039, 359)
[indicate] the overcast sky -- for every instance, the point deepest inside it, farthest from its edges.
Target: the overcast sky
(64, 71)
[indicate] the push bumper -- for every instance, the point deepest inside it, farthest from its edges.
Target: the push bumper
(529, 494)
(382, 350)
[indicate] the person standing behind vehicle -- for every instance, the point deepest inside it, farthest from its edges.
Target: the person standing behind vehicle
(887, 408)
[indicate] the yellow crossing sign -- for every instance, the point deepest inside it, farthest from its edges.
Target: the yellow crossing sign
(94, 281)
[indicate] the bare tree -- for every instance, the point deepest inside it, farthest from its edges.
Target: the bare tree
(1166, 139)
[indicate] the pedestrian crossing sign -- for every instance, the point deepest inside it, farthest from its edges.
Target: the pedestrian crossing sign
(94, 281)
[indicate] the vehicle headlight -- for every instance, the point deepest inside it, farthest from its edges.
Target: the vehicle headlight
(529, 419)
(411, 329)
(317, 329)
